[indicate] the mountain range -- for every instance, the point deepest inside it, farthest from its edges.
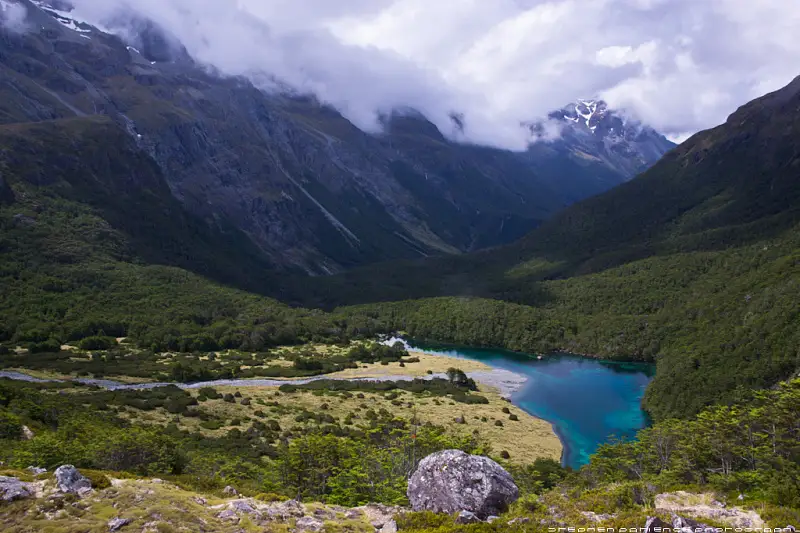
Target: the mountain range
(131, 177)
(311, 193)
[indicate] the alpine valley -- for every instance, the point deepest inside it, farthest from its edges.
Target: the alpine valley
(210, 295)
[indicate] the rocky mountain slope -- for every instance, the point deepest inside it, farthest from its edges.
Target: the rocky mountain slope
(308, 189)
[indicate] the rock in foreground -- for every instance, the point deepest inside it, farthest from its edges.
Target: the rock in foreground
(452, 481)
(70, 480)
(12, 489)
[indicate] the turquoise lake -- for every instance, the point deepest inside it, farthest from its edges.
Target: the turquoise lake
(588, 401)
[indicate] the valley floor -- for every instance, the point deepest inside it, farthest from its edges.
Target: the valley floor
(506, 427)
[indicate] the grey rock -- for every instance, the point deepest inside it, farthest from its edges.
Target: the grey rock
(521, 520)
(654, 525)
(324, 514)
(36, 471)
(687, 525)
(118, 523)
(285, 510)
(229, 516)
(492, 519)
(309, 523)
(353, 514)
(27, 434)
(242, 506)
(451, 481)
(378, 514)
(70, 480)
(12, 489)
(389, 527)
(466, 517)
(230, 491)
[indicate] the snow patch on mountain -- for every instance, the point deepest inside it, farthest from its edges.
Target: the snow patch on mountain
(70, 18)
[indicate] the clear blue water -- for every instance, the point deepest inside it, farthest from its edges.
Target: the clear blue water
(588, 401)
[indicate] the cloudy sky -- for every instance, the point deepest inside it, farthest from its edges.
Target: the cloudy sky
(678, 65)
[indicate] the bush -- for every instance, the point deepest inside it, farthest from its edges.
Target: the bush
(49, 346)
(210, 393)
(498, 423)
(10, 426)
(506, 410)
(99, 480)
(270, 497)
(513, 418)
(97, 343)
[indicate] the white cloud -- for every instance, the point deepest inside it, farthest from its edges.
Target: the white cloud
(679, 65)
(13, 15)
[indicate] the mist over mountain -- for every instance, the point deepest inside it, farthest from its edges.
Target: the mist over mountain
(311, 190)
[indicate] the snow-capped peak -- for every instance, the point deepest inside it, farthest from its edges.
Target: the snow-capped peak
(586, 110)
(68, 18)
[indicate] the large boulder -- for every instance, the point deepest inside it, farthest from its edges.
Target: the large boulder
(71, 481)
(12, 489)
(452, 481)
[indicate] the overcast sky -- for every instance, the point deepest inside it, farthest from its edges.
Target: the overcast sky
(678, 65)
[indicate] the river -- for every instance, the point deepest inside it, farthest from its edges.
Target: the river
(588, 401)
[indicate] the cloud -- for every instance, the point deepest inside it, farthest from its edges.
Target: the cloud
(678, 65)
(13, 16)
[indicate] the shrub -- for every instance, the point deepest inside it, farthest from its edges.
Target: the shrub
(506, 410)
(97, 343)
(10, 426)
(513, 418)
(505, 455)
(210, 393)
(270, 497)
(425, 520)
(498, 423)
(99, 480)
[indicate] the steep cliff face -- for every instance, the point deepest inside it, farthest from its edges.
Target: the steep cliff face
(309, 189)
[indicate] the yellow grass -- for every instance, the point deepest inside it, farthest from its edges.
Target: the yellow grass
(526, 439)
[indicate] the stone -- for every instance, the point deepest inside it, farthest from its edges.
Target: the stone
(687, 525)
(655, 525)
(36, 471)
(309, 523)
(118, 523)
(229, 516)
(492, 519)
(241, 506)
(324, 514)
(451, 481)
(12, 489)
(286, 510)
(389, 527)
(27, 434)
(597, 518)
(353, 514)
(467, 517)
(521, 520)
(70, 480)
(230, 491)
(378, 514)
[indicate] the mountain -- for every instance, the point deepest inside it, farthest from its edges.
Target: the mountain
(693, 264)
(595, 145)
(310, 191)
